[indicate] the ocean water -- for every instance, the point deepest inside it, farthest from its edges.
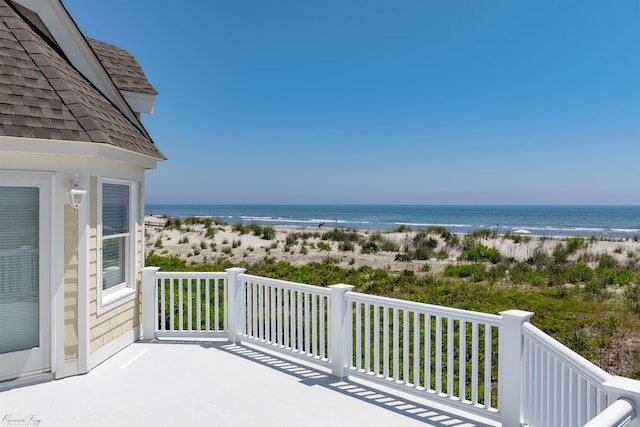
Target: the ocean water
(621, 222)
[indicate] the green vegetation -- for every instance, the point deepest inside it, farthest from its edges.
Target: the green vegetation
(594, 310)
(588, 300)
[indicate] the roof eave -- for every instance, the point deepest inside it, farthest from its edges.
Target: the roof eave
(77, 148)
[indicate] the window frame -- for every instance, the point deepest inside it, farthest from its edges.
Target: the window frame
(126, 291)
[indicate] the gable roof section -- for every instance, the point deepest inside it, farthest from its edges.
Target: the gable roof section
(43, 96)
(122, 67)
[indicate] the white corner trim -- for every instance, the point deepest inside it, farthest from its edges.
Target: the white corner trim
(70, 369)
(113, 347)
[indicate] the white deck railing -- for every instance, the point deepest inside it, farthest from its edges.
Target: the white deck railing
(561, 387)
(431, 350)
(500, 366)
(286, 315)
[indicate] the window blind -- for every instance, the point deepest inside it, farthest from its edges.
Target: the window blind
(115, 209)
(19, 268)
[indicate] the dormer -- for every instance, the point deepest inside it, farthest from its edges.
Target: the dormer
(127, 75)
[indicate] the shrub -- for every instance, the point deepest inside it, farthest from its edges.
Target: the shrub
(632, 298)
(291, 240)
(268, 233)
(483, 233)
(475, 272)
(239, 228)
(607, 261)
(560, 255)
(476, 252)
(437, 229)
(346, 246)
(324, 246)
(574, 243)
(256, 229)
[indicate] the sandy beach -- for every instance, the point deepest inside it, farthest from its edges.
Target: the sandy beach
(196, 243)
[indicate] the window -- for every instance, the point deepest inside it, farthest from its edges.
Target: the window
(19, 264)
(118, 242)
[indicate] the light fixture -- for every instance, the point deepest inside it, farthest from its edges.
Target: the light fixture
(76, 193)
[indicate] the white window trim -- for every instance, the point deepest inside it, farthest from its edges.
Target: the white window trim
(111, 298)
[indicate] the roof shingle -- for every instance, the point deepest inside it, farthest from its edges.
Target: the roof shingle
(122, 67)
(43, 96)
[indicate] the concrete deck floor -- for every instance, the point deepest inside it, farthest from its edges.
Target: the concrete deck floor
(214, 384)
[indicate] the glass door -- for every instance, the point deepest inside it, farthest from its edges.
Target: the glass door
(24, 297)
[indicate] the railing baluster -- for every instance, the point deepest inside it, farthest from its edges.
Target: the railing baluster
(582, 411)
(396, 342)
(438, 345)
(474, 363)
(450, 339)
(358, 338)
(323, 353)
(416, 349)
(385, 342)
(216, 306)
(198, 323)
(180, 304)
(405, 346)
(427, 351)
(462, 365)
(255, 311)
(271, 335)
(171, 305)
(189, 283)
(367, 338)
(487, 365)
(287, 316)
(376, 340)
(300, 320)
(163, 301)
(314, 325)
(307, 319)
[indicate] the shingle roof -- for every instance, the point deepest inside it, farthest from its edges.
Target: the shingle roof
(43, 96)
(122, 67)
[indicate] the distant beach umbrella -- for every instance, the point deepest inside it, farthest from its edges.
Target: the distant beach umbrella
(521, 231)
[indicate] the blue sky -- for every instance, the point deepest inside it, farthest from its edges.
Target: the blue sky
(420, 102)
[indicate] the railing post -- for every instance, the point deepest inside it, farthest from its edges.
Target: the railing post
(510, 372)
(149, 302)
(234, 304)
(627, 389)
(339, 328)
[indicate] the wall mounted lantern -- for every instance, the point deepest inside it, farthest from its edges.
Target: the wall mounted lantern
(76, 193)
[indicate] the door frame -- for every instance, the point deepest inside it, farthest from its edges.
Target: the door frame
(38, 360)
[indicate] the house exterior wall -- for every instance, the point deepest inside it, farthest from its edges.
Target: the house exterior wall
(82, 335)
(70, 283)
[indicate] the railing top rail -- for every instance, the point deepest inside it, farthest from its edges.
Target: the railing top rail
(467, 315)
(619, 413)
(191, 274)
(285, 284)
(578, 363)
